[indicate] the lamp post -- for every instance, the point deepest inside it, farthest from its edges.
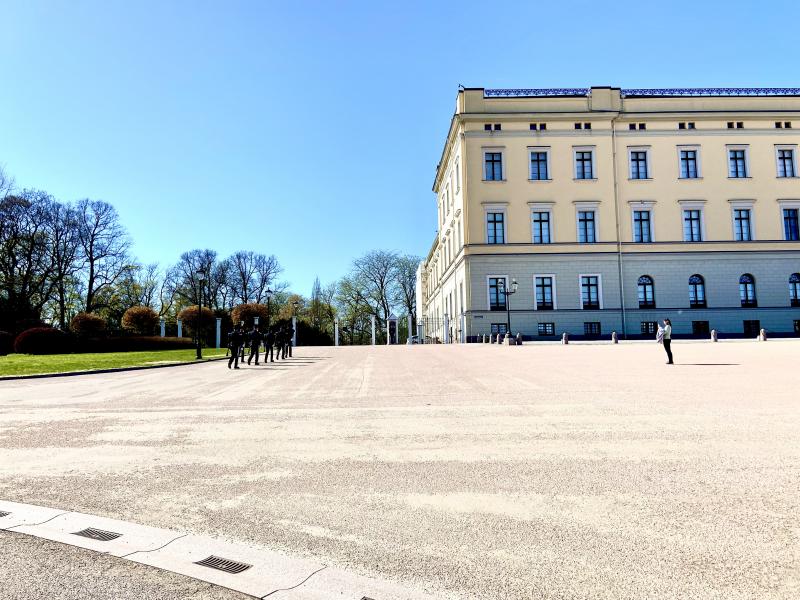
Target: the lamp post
(508, 293)
(201, 276)
(295, 304)
(269, 293)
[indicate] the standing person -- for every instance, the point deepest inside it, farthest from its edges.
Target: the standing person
(243, 333)
(290, 339)
(255, 342)
(269, 341)
(667, 340)
(235, 342)
(286, 341)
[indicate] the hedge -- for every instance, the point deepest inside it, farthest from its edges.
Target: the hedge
(43, 340)
(87, 325)
(139, 343)
(247, 312)
(141, 320)
(6, 343)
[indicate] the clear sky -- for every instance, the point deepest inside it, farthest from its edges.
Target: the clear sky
(311, 130)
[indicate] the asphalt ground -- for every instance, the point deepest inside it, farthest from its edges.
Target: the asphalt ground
(477, 472)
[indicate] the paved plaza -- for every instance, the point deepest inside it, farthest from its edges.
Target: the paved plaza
(474, 472)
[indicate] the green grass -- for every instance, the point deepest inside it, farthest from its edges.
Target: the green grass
(30, 364)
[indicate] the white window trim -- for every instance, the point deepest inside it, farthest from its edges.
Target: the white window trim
(648, 205)
(457, 169)
(495, 207)
(575, 150)
(555, 296)
(793, 148)
(546, 150)
(648, 162)
(488, 296)
(542, 207)
(743, 204)
(584, 205)
(494, 149)
(695, 205)
(746, 148)
(698, 154)
(599, 290)
(786, 204)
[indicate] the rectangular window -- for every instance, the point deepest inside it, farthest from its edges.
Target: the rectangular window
(547, 328)
(692, 231)
(590, 292)
(586, 227)
(544, 293)
(641, 226)
(495, 228)
(791, 227)
(591, 329)
(700, 328)
(539, 166)
(541, 227)
(583, 164)
(751, 327)
(688, 164)
(737, 164)
(500, 328)
(493, 166)
(497, 293)
(649, 327)
(638, 160)
(786, 163)
(741, 225)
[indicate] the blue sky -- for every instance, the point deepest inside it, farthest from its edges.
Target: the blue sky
(311, 130)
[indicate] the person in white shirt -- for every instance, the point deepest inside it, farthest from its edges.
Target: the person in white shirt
(667, 340)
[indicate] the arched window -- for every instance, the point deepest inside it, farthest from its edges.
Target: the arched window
(697, 291)
(647, 297)
(794, 289)
(747, 291)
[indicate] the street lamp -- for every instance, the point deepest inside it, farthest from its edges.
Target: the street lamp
(201, 276)
(269, 293)
(508, 293)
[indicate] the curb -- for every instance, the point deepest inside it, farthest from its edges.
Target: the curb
(115, 370)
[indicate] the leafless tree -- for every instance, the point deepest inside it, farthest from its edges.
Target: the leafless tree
(376, 273)
(405, 289)
(105, 246)
(65, 246)
(267, 270)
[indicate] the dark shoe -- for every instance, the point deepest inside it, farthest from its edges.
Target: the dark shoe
(235, 367)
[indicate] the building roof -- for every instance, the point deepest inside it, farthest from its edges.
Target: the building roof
(641, 92)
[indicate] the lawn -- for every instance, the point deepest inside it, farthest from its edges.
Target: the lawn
(30, 364)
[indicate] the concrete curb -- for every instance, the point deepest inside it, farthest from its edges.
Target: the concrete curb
(266, 572)
(115, 370)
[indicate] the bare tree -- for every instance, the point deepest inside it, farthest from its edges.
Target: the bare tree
(376, 273)
(267, 270)
(65, 246)
(405, 289)
(105, 246)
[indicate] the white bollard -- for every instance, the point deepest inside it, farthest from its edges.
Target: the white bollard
(219, 332)
(180, 328)
(336, 332)
(614, 339)
(713, 335)
(373, 330)
(565, 338)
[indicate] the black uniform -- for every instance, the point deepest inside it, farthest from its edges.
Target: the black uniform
(289, 339)
(269, 341)
(254, 337)
(235, 340)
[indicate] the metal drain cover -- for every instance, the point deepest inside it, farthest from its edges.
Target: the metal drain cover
(223, 564)
(98, 534)
(4, 514)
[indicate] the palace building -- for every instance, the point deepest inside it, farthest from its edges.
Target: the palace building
(592, 210)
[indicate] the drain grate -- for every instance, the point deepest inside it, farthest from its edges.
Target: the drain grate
(4, 514)
(223, 564)
(98, 534)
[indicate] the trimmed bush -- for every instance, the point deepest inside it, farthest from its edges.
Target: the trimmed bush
(189, 317)
(247, 312)
(43, 340)
(142, 343)
(141, 320)
(6, 343)
(87, 325)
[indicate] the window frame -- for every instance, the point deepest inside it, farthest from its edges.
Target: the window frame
(737, 147)
(647, 163)
(696, 148)
(539, 150)
(789, 205)
(696, 303)
(599, 290)
(743, 205)
(744, 298)
(540, 207)
(794, 290)
(494, 207)
(552, 277)
(489, 293)
(642, 206)
(587, 206)
(545, 324)
(486, 214)
(593, 163)
(793, 149)
(693, 205)
(645, 304)
(494, 150)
